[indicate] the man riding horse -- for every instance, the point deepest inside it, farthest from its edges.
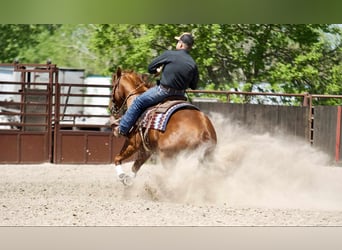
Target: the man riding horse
(178, 72)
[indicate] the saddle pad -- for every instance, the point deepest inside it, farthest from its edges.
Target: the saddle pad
(157, 120)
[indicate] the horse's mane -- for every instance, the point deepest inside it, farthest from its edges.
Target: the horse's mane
(137, 78)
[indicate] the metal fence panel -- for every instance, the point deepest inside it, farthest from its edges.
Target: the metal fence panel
(325, 130)
(264, 118)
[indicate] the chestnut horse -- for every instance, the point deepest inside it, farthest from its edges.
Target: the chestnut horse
(187, 128)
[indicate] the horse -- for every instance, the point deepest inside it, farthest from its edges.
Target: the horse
(187, 128)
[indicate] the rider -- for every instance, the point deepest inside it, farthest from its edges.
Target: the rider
(179, 72)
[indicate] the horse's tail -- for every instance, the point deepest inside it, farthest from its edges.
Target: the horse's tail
(209, 138)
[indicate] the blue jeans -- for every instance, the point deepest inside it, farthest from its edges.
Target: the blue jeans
(147, 99)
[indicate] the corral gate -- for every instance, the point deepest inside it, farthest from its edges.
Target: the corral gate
(43, 120)
(26, 114)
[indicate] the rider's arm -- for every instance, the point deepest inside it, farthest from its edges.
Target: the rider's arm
(195, 77)
(157, 63)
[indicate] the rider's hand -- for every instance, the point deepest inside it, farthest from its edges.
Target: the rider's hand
(159, 70)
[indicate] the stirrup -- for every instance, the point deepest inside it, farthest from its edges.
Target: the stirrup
(118, 133)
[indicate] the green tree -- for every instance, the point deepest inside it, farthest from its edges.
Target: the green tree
(69, 46)
(277, 58)
(125, 45)
(242, 57)
(15, 38)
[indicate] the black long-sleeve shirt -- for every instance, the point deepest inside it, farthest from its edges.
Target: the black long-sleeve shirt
(179, 69)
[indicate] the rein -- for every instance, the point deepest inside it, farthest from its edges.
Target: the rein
(116, 110)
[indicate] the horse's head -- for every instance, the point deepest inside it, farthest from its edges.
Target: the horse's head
(125, 84)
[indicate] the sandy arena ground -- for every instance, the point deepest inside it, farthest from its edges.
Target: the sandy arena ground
(254, 180)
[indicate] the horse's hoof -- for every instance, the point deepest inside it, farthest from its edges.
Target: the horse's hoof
(126, 179)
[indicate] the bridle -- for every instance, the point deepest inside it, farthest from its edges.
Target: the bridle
(119, 110)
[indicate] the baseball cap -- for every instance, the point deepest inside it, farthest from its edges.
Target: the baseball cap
(186, 38)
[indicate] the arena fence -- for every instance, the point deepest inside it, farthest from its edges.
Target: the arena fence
(319, 125)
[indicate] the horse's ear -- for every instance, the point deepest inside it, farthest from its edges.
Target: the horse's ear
(118, 72)
(116, 75)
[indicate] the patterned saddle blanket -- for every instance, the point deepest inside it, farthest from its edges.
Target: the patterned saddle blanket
(158, 116)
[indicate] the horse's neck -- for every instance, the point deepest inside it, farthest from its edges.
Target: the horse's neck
(131, 99)
(131, 94)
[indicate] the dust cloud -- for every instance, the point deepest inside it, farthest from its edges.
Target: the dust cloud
(260, 170)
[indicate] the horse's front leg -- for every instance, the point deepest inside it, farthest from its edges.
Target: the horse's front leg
(127, 179)
(143, 156)
(127, 150)
(130, 147)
